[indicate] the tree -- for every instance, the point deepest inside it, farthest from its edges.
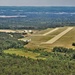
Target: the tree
(73, 44)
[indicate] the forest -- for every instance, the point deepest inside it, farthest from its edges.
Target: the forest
(10, 40)
(61, 61)
(36, 17)
(37, 22)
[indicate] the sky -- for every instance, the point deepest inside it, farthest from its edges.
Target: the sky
(37, 2)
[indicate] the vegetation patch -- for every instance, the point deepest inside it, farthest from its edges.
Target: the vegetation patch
(22, 52)
(6, 41)
(56, 63)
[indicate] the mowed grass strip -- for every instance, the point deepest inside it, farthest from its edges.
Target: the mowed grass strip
(59, 35)
(37, 40)
(44, 31)
(47, 37)
(61, 29)
(22, 53)
(50, 31)
(66, 40)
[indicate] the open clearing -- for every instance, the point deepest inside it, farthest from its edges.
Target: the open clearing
(51, 37)
(7, 31)
(66, 40)
(50, 31)
(46, 33)
(59, 36)
(63, 36)
(22, 53)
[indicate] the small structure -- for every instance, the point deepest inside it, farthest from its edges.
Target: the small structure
(25, 31)
(26, 40)
(30, 31)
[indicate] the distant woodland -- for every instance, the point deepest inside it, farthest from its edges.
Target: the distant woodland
(36, 22)
(36, 17)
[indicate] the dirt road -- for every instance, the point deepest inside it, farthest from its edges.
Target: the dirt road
(7, 31)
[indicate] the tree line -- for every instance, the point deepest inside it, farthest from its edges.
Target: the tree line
(60, 62)
(7, 41)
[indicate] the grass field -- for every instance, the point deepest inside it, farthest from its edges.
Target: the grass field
(44, 31)
(36, 42)
(22, 52)
(54, 39)
(66, 40)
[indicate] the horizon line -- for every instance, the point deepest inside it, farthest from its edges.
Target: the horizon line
(36, 6)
